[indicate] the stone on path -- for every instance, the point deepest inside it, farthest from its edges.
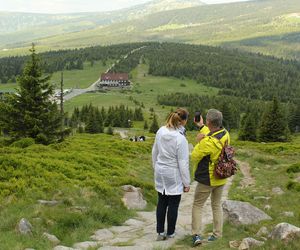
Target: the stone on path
(133, 198)
(277, 190)
(63, 248)
(134, 223)
(285, 232)
(102, 234)
(86, 245)
(24, 226)
(52, 238)
(243, 213)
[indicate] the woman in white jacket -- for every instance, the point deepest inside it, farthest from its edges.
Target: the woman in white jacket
(170, 157)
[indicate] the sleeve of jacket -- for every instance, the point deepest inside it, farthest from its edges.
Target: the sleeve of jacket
(200, 150)
(183, 160)
(154, 153)
(204, 130)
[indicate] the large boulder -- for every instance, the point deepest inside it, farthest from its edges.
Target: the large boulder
(243, 213)
(285, 232)
(133, 198)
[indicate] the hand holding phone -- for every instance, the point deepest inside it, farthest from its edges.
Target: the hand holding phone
(197, 116)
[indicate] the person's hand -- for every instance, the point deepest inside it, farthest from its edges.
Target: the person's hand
(200, 137)
(186, 189)
(200, 123)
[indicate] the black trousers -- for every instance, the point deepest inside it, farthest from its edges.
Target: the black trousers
(167, 204)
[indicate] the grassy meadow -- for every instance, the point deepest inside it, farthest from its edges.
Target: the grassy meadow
(84, 173)
(144, 90)
(272, 165)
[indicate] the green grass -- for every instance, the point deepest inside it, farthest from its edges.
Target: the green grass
(269, 164)
(86, 171)
(80, 79)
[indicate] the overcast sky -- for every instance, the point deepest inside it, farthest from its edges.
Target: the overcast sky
(71, 6)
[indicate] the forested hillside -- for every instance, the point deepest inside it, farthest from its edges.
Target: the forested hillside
(54, 61)
(234, 73)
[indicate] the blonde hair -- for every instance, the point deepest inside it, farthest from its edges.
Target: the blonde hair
(175, 118)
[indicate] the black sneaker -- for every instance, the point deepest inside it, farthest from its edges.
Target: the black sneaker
(197, 240)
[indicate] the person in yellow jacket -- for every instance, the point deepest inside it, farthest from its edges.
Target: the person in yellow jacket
(204, 156)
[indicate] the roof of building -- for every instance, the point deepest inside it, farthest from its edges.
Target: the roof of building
(114, 77)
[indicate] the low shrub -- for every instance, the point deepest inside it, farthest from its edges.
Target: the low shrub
(23, 143)
(294, 168)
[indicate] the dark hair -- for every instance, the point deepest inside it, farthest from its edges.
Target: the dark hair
(175, 118)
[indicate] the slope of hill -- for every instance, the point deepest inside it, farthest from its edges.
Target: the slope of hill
(224, 24)
(16, 28)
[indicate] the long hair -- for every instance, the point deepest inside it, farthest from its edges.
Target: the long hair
(175, 118)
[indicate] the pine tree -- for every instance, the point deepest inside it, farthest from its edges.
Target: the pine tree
(295, 119)
(146, 125)
(31, 112)
(248, 128)
(110, 130)
(154, 126)
(274, 124)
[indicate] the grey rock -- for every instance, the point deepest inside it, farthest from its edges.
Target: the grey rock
(277, 190)
(285, 232)
(133, 198)
(243, 213)
(52, 238)
(63, 248)
(24, 226)
(250, 242)
(263, 231)
(102, 234)
(48, 203)
(234, 243)
(244, 246)
(86, 245)
(288, 214)
(262, 198)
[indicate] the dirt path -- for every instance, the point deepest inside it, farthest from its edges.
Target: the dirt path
(139, 233)
(248, 179)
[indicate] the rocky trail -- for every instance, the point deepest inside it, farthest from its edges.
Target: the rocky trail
(140, 233)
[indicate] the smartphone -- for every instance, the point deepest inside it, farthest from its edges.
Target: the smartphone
(197, 116)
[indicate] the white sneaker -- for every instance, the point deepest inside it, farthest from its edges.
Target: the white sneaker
(161, 236)
(171, 235)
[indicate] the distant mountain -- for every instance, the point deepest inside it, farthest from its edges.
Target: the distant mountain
(268, 26)
(22, 27)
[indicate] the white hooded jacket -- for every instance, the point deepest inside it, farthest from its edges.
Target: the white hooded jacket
(170, 157)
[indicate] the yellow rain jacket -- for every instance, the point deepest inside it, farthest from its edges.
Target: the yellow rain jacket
(206, 154)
